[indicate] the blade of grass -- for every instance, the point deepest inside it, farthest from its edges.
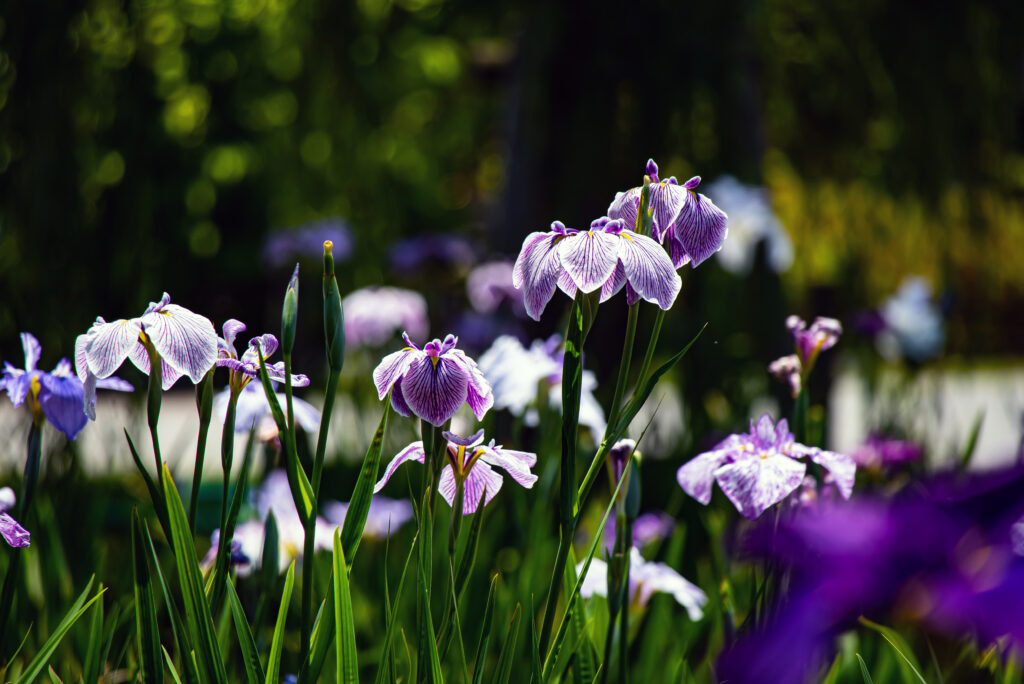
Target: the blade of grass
(170, 666)
(508, 650)
(362, 494)
(347, 666)
(389, 634)
(900, 645)
(42, 657)
(250, 656)
(485, 634)
(178, 630)
(864, 670)
(147, 633)
(277, 642)
(93, 656)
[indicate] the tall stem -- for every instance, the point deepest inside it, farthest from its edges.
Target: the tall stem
(153, 403)
(624, 363)
(325, 424)
(645, 367)
(204, 404)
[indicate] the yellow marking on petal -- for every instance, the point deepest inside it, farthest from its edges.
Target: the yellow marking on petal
(627, 237)
(434, 360)
(38, 417)
(165, 313)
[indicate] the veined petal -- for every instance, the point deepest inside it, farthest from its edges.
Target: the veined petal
(842, 467)
(677, 252)
(398, 400)
(754, 484)
(480, 396)
(413, 452)
(110, 345)
(480, 477)
(267, 342)
(232, 328)
(62, 400)
(435, 392)
(589, 257)
(168, 373)
(185, 340)
(648, 269)
(516, 463)
(697, 476)
(16, 535)
(667, 200)
(625, 206)
(33, 350)
(18, 387)
(700, 227)
(612, 286)
(391, 368)
(536, 271)
(81, 355)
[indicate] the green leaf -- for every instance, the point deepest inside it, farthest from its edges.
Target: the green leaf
(154, 491)
(389, 634)
(147, 634)
(321, 638)
(469, 552)
(972, 441)
(458, 623)
(54, 679)
(43, 655)
(911, 670)
(864, 670)
(277, 642)
(832, 676)
(181, 640)
(508, 650)
(197, 610)
(94, 655)
(250, 656)
(345, 633)
(584, 665)
(534, 646)
(362, 494)
(485, 634)
(427, 638)
(219, 581)
(170, 665)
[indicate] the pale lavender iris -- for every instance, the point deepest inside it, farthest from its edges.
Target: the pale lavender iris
(253, 410)
(647, 528)
(794, 369)
(606, 258)
(761, 468)
(447, 249)
(470, 461)
(57, 396)
(11, 530)
(284, 245)
(185, 341)
(490, 284)
(433, 382)
(645, 579)
(383, 518)
(880, 451)
(374, 315)
(696, 228)
(246, 367)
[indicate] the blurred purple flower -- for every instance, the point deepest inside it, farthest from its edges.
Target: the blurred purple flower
(604, 258)
(470, 461)
(446, 248)
(253, 410)
(759, 469)
(752, 221)
(185, 341)
(383, 519)
(433, 382)
(880, 451)
(646, 578)
(57, 396)
(794, 369)
(11, 530)
(695, 226)
(490, 284)
(647, 529)
(374, 315)
(247, 367)
(283, 245)
(939, 554)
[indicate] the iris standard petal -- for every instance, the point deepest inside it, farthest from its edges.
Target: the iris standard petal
(16, 535)
(700, 227)
(697, 476)
(480, 396)
(232, 328)
(391, 368)
(667, 200)
(648, 269)
(589, 257)
(61, 400)
(435, 391)
(33, 350)
(413, 452)
(754, 484)
(480, 477)
(537, 269)
(625, 206)
(516, 463)
(110, 345)
(185, 340)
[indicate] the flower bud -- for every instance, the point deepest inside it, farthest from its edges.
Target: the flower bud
(334, 318)
(290, 313)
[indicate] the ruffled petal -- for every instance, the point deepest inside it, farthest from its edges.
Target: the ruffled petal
(413, 452)
(185, 340)
(62, 400)
(754, 484)
(232, 328)
(536, 271)
(391, 368)
(435, 392)
(16, 535)
(700, 227)
(698, 475)
(625, 206)
(81, 355)
(667, 200)
(480, 396)
(516, 463)
(589, 257)
(33, 350)
(649, 270)
(110, 345)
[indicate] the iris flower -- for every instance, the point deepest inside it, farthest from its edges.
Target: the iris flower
(253, 410)
(12, 531)
(433, 382)
(695, 227)
(604, 258)
(469, 461)
(646, 578)
(57, 396)
(185, 341)
(373, 315)
(809, 342)
(247, 367)
(759, 469)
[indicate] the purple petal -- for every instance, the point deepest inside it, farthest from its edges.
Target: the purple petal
(698, 475)
(787, 369)
(413, 452)
(62, 400)
(480, 476)
(232, 327)
(16, 535)
(612, 286)
(700, 228)
(480, 396)
(18, 387)
(625, 206)
(648, 269)
(677, 252)
(391, 368)
(33, 350)
(266, 342)
(110, 345)
(435, 392)
(667, 201)
(398, 401)
(185, 340)
(589, 257)
(470, 441)
(842, 467)
(516, 463)
(754, 484)
(536, 271)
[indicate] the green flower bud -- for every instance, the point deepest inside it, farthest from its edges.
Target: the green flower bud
(334, 318)
(290, 314)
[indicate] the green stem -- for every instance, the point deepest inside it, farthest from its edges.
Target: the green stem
(624, 618)
(645, 367)
(800, 411)
(227, 457)
(325, 424)
(624, 363)
(153, 404)
(204, 404)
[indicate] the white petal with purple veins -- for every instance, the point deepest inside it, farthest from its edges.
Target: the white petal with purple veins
(700, 228)
(480, 397)
(625, 206)
(168, 373)
(667, 200)
(480, 476)
(537, 269)
(589, 257)
(516, 463)
(435, 392)
(842, 467)
(698, 475)
(391, 368)
(413, 452)
(754, 484)
(110, 346)
(33, 350)
(649, 269)
(185, 340)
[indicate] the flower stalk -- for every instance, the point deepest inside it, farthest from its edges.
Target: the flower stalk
(204, 405)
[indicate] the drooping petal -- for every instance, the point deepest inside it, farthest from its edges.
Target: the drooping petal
(662, 578)
(18, 387)
(81, 355)
(413, 452)
(185, 340)
(435, 392)
(391, 368)
(697, 476)
(516, 463)
(168, 373)
(480, 476)
(250, 408)
(649, 270)
(589, 257)
(89, 396)
(754, 484)
(842, 467)
(667, 200)
(536, 271)
(625, 206)
(458, 440)
(700, 227)
(480, 396)
(677, 252)
(398, 400)
(612, 286)
(33, 350)
(276, 373)
(16, 535)
(62, 400)
(110, 345)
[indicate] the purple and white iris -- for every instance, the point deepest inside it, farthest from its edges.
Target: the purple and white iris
(185, 341)
(247, 367)
(793, 369)
(374, 315)
(696, 228)
(433, 382)
(759, 469)
(57, 396)
(469, 461)
(606, 258)
(252, 409)
(646, 578)
(11, 530)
